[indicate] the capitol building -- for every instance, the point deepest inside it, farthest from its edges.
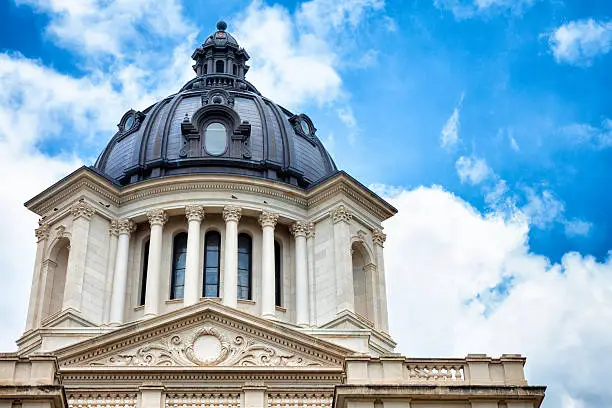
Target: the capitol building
(215, 257)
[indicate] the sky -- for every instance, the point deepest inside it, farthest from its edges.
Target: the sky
(487, 123)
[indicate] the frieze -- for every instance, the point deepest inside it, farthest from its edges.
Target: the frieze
(206, 346)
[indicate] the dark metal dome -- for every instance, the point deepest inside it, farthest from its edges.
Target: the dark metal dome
(180, 134)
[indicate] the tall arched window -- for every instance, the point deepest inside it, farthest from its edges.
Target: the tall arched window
(206, 68)
(145, 268)
(244, 266)
(212, 259)
(219, 67)
(278, 277)
(235, 70)
(179, 256)
(56, 278)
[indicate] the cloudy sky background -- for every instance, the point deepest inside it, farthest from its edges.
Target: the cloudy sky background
(487, 123)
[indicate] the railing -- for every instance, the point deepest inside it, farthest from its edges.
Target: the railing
(303, 400)
(202, 400)
(102, 400)
(475, 369)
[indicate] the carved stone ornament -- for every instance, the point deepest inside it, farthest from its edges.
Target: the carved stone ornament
(268, 219)
(206, 346)
(379, 237)
(82, 209)
(340, 213)
(232, 213)
(42, 232)
(194, 212)
(311, 230)
(125, 226)
(157, 216)
(299, 228)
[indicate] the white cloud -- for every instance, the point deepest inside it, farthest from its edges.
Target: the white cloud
(298, 55)
(577, 227)
(584, 133)
(463, 9)
(450, 132)
(470, 284)
(579, 42)
(543, 208)
(472, 170)
(513, 144)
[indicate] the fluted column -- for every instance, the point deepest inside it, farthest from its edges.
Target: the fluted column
(268, 221)
(117, 307)
(157, 219)
(345, 293)
(231, 215)
(194, 214)
(75, 271)
(310, 237)
(299, 229)
(42, 236)
(113, 232)
(379, 238)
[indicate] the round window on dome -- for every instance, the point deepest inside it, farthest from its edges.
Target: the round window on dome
(215, 138)
(129, 123)
(305, 127)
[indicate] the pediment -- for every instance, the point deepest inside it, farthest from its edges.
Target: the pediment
(348, 321)
(67, 318)
(207, 335)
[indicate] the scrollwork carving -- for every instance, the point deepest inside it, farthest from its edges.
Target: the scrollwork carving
(194, 212)
(157, 216)
(268, 219)
(82, 209)
(379, 237)
(232, 213)
(42, 232)
(341, 213)
(299, 228)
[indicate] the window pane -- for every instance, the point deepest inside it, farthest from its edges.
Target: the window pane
(211, 264)
(178, 266)
(278, 279)
(244, 266)
(145, 268)
(215, 138)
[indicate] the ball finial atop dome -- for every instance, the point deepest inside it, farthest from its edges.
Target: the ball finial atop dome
(221, 25)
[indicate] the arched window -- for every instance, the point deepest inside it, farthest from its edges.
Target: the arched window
(205, 68)
(179, 256)
(215, 138)
(278, 277)
(145, 268)
(244, 266)
(56, 278)
(219, 67)
(362, 282)
(212, 258)
(235, 70)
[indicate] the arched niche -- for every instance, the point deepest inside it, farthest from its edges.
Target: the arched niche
(363, 271)
(55, 267)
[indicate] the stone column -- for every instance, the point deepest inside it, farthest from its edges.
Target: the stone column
(378, 237)
(194, 214)
(231, 215)
(299, 229)
(310, 238)
(117, 308)
(75, 271)
(268, 221)
(113, 233)
(33, 319)
(157, 219)
(341, 218)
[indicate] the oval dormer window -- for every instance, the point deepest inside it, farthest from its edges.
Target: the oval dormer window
(129, 123)
(215, 139)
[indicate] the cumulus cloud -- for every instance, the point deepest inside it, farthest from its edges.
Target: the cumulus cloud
(464, 9)
(449, 135)
(467, 282)
(297, 54)
(580, 42)
(577, 227)
(472, 170)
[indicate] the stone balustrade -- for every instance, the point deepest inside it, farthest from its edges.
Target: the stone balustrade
(475, 369)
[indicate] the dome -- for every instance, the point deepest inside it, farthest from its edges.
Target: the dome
(217, 123)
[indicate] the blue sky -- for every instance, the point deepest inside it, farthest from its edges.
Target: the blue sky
(494, 114)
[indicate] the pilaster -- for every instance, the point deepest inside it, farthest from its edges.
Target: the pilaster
(379, 238)
(341, 218)
(157, 219)
(299, 230)
(124, 229)
(42, 238)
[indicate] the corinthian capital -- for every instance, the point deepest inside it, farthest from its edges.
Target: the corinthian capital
(157, 216)
(311, 230)
(82, 209)
(125, 226)
(299, 228)
(268, 219)
(379, 237)
(42, 232)
(340, 213)
(232, 213)
(114, 228)
(194, 212)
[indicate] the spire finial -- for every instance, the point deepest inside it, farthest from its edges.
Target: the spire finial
(221, 25)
